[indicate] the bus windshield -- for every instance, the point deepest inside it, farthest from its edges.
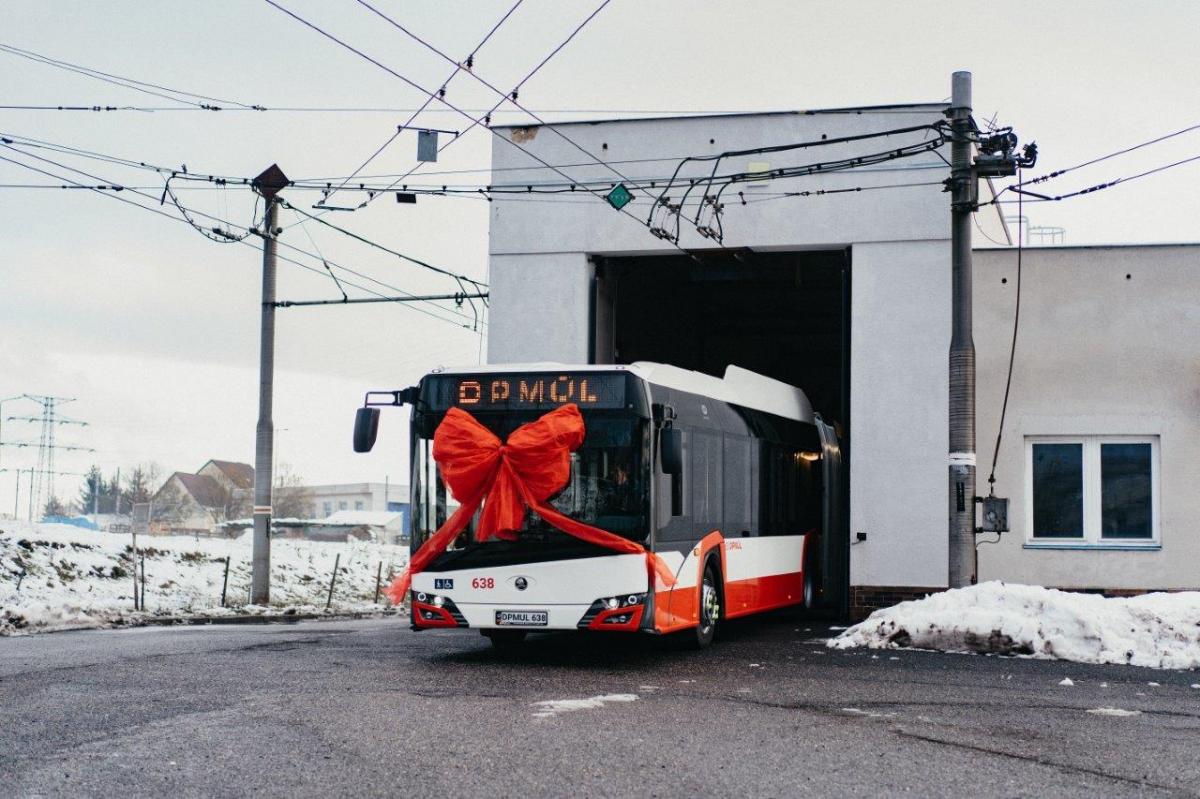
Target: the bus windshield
(608, 487)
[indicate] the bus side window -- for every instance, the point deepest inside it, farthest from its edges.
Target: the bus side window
(738, 487)
(675, 528)
(706, 465)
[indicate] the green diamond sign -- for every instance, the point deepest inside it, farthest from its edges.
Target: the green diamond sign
(619, 197)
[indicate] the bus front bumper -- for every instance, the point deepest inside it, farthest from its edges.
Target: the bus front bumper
(614, 614)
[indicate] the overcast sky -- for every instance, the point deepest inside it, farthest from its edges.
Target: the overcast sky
(154, 329)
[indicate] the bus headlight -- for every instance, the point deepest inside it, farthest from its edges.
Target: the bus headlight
(628, 603)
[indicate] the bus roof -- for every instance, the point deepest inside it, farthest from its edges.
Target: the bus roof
(738, 387)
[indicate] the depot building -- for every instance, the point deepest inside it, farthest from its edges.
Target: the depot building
(839, 283)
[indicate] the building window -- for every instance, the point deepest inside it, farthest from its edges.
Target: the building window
(328, 508)
(341, 506)
(358, 504)
(1092, 491)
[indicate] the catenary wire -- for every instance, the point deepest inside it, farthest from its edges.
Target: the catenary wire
(1098, 159)
(510, 96)
(1040, 198)
(458, 66)
(172, 174)
(1012, 352)
(231, 225)
(485, 119)
(523, 187)
(447, 103)
(129, 83)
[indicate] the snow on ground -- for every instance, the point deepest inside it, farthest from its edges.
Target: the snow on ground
(549, 708)
(1160, 630)
(57, 576)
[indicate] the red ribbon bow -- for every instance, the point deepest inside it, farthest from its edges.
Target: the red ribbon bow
(532, 466)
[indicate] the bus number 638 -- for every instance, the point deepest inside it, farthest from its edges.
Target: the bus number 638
(483, 582)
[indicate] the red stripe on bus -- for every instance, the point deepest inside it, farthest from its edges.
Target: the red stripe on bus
(757, 594)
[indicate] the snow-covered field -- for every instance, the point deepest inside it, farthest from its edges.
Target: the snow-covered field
(55, 576)
(1160, 630)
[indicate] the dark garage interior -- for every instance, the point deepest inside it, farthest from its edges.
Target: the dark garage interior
(784, 315)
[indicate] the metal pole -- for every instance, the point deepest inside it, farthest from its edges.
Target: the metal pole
(964, 188)
(260, 581)
(17, 495)
(31, 495)
(133, 559)
(333, 579)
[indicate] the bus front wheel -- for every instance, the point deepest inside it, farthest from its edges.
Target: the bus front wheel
(710, 608)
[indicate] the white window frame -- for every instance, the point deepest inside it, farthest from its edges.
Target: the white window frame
(1092, 500)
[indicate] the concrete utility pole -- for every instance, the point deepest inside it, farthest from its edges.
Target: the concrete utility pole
(268, 184)
(964, 191)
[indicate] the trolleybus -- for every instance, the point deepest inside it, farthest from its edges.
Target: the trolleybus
(731, 483)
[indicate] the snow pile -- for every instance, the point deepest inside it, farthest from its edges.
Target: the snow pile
(56, 576)
(1156, 630)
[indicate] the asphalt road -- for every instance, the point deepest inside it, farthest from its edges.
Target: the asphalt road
(369, 708)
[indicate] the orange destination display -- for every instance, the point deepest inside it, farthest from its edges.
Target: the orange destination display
(539, 391)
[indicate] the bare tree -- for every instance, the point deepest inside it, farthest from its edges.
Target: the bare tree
(292, 499)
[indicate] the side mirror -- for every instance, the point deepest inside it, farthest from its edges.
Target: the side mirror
(366, 428)
(670, 447)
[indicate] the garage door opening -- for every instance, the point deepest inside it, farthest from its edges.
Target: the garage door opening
(784, 315)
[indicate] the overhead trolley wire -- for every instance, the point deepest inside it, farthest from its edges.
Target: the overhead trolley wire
(1039, 197)
(1098, 159)
(231, 225)
(447, 103)
(458, 66)
(129, 83)
(510, 96)
(172, 174)
(504, 96)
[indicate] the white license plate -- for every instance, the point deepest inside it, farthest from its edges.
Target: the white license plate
(522, 618)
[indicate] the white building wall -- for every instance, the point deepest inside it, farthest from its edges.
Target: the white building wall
(370, 495)
(899, 409)
(899, 242)
(1109, 344)
(542, 297)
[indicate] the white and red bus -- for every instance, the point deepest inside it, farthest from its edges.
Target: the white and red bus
(732, 482)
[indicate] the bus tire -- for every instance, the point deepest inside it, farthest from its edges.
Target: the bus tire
(710, 610)
(505, 640)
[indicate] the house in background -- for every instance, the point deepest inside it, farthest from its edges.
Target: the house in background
(193, 504)
(234, 477)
